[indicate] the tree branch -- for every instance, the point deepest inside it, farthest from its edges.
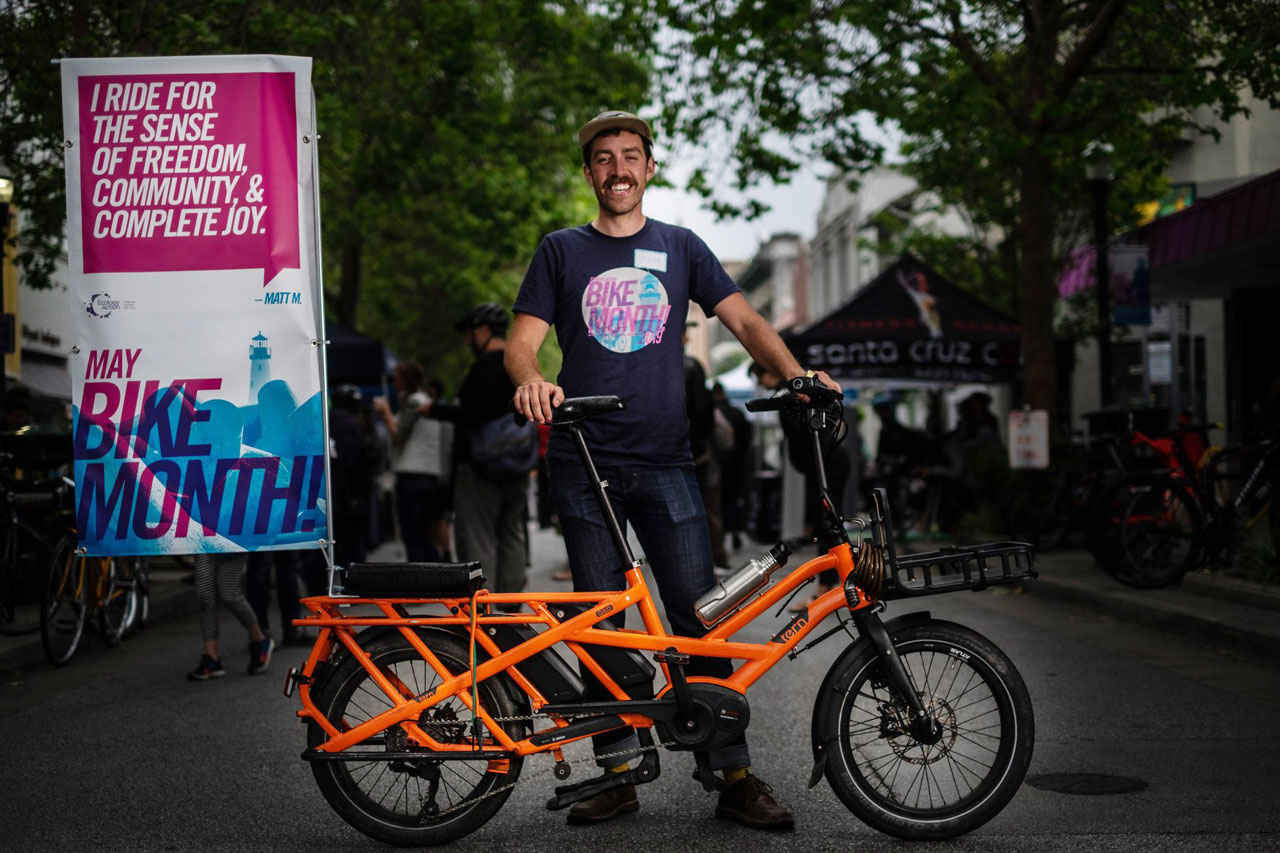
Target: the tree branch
(980, 67)
(1089, 46)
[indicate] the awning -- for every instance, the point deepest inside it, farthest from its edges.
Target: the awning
(46, 378)
(1218, 244)
(910, 323)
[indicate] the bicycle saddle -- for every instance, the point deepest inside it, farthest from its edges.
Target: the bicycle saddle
(575, 409)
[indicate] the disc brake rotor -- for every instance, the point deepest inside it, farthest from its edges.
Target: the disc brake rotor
(894, 728)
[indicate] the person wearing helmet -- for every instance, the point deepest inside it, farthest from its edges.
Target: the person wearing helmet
(618, 291)
(488, 506)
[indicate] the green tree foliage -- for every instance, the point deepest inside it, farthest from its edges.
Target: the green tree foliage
(995, 100)
(446, 129)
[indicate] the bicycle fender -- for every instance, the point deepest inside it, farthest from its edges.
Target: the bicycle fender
(829, 688)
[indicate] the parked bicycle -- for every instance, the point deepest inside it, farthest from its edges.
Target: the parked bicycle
(111, 593)
(422, 698)
(1156, 526)
(26, 510)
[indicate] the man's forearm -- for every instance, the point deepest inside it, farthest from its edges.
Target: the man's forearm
(767, 349)
(521, 362)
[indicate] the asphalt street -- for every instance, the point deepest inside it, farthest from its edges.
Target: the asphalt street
(119, 752)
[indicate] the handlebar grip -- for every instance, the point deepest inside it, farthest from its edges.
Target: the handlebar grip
(766, 404)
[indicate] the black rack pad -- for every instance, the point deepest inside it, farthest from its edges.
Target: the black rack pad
(435, 580)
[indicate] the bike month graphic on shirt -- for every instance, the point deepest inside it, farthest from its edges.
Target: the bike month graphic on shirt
(625, 309)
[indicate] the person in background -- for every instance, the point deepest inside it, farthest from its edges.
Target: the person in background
(219, 579)
(442, 531)
(736, 472)
(354, 463)
(701, 411)
(489, 509)
(418, 462)
(799, 440)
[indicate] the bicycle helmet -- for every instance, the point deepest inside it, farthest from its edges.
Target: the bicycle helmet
(489, 314)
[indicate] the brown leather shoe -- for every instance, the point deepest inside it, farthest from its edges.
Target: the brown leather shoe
(749, 801)
(605, 805)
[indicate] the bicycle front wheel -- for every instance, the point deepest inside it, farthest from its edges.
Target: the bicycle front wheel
(118, 602)
(414, 802)
(1160, 535)
(65, 603)
(928, 791)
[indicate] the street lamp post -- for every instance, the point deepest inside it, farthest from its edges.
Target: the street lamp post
(1099, 171)
(6, 196)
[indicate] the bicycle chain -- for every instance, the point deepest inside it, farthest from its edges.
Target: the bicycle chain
(470, 801)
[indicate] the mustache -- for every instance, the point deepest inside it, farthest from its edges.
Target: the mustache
(620, 179)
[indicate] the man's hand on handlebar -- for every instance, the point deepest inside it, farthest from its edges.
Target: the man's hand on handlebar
(816, 376)
(537, 400)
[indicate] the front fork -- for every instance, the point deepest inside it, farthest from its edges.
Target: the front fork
(923, 726)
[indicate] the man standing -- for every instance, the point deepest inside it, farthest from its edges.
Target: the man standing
(489, 506)
(618, 292)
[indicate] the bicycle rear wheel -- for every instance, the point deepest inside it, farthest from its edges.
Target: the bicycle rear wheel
(65, 604)
(912, 789)
(412, 803)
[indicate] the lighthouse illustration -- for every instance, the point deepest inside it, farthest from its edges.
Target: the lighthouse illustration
(259, 366)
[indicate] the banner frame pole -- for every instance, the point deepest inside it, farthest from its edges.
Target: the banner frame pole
(322, 343)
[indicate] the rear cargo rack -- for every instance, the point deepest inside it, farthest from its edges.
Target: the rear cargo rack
(949, 569)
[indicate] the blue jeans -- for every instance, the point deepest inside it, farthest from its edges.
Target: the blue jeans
(665, 509)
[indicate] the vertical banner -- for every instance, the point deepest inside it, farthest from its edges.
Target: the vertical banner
(197, 408)
(1130, 286)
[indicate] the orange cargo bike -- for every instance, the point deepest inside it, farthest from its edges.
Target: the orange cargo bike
(424, 694)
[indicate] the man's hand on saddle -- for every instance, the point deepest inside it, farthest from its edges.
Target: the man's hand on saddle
(538, 399)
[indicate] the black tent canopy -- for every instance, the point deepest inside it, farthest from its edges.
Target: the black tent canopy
(353, 357)
(911, 323)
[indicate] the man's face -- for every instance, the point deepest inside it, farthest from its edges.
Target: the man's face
(618, 171)
(475, 338)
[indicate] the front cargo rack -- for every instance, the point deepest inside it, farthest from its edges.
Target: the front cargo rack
(953, 568)
(949, 569)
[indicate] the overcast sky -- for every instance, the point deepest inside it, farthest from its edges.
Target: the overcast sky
(794, 208)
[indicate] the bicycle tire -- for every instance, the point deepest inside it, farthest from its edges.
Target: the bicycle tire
(349, 697)
(1161, 534)
(973, 688)
(65, 604)
(118, 602)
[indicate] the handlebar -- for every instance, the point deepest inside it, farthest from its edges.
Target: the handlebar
(819, 396)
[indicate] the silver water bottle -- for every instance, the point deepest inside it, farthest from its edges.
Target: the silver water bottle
(719, 601)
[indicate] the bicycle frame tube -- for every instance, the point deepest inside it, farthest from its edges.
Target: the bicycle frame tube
(336, 626)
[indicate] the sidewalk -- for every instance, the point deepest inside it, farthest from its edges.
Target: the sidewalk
(1218, 609)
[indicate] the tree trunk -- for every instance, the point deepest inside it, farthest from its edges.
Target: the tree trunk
(349, 285)
(1036, 285)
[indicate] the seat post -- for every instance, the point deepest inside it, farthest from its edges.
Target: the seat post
(598, 486)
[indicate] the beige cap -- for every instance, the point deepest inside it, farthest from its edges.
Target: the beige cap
(611, 119)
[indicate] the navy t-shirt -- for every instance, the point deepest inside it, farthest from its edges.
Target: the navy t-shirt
(619, 306)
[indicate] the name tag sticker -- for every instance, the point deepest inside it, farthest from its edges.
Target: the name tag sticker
(647, 259)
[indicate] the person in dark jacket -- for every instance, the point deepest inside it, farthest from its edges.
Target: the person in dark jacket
(489, 510)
